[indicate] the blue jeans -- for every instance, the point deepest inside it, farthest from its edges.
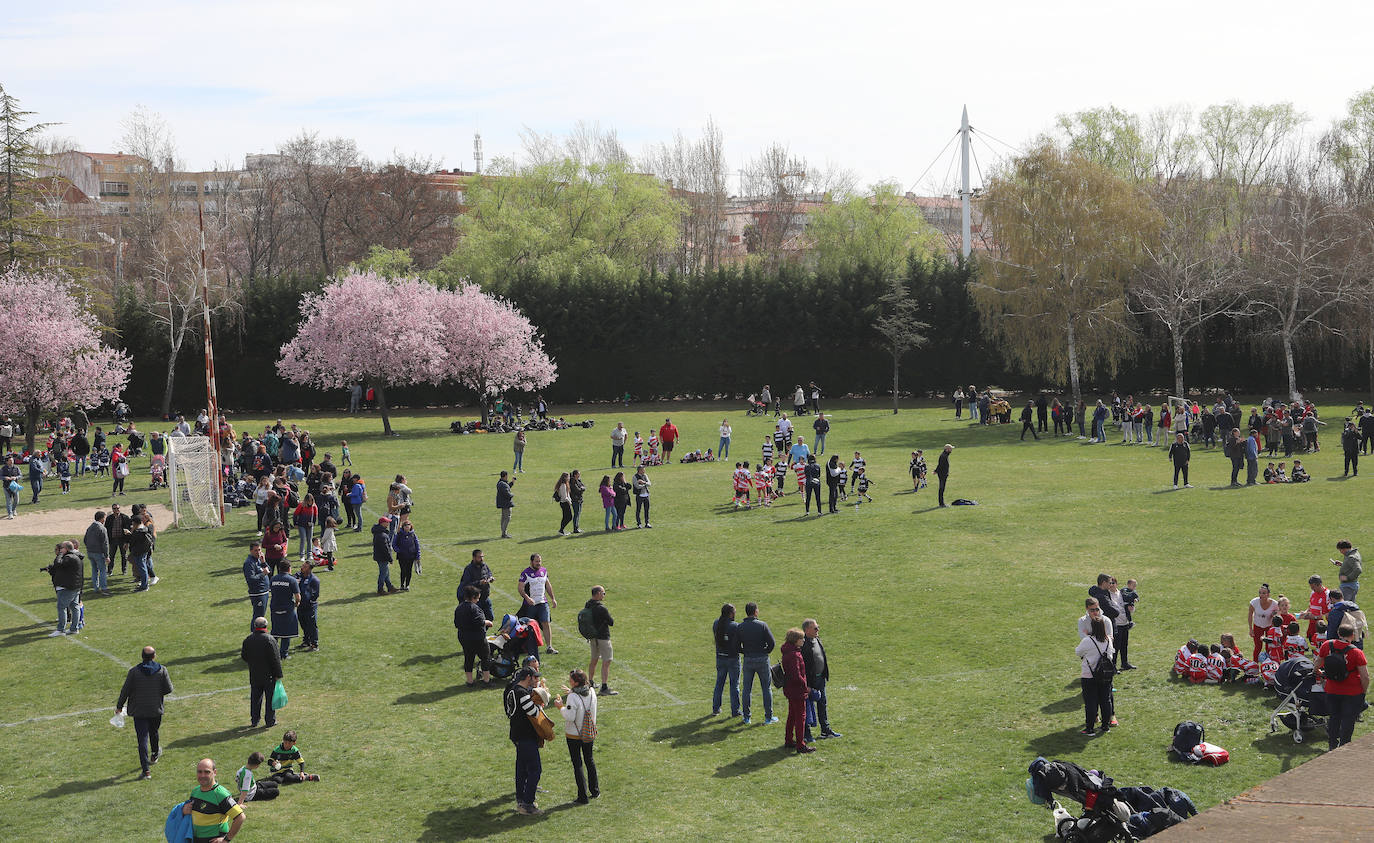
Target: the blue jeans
(528, 769)
(610, 516)
(146, 729)
(259, 602)
(384, 575)
(80, 466)
(758, 666)
(577, 515)
(723, 449)
(11, 501)
(519, 461)
(726, 666)
(820, 443)
(66, 602)
(36, 483)
(99, 576)
(141, 571)
(306, 534)
(1349, 590)
(1099, 432)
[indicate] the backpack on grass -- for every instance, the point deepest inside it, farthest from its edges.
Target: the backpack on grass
(1186, 736)
(586, 624)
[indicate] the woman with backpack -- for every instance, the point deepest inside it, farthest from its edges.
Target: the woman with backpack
(1095, 653)
(1345, 675)
(562, 495)
(579, 717)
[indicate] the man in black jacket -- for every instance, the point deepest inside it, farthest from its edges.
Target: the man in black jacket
(478, 575)
(817, 674)
(67, 576)
(942, 470)
(505, 501)
(117, 525)
(1179, 455)
(259, 650)
(601, 644)
(1350, 442)
(1027, 414)
(1042, 412)
(145, 685)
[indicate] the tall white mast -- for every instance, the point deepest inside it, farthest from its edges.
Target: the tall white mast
(964, 193)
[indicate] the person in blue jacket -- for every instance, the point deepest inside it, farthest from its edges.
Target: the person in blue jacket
(381, 554)
(306, 611)
(407, 546)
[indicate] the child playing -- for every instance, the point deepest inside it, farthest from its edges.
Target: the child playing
(918, 470)
(767, 448)
(64, 473)
(1295, 644)
(100, 460)
(285, 758)
(653, 449)
(780, 473)
(741, 482)
(327, 545)
(861, 486)
(1299, 473)
(799, 469)
(842, 481)
(854, 466)
(763, 483)
(1216, 665)
(780, 443)
(346, 457)
(250, 789)
(639, 448)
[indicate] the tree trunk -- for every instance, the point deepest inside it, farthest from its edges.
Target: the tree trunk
(1286, 337)
(30, 426)
(381, 405)
(896, 367)
(1073, 362)
(171, 379)
(1178, 363)
(1370, 351)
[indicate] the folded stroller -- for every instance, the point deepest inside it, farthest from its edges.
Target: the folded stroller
(1104, 815)
(1301, 707)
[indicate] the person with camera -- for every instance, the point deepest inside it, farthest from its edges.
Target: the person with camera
(67, 577)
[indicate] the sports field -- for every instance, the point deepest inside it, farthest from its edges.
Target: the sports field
(949, 632)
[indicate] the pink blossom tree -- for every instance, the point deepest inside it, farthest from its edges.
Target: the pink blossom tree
(362, 328)
(51, 356)
(489, 344)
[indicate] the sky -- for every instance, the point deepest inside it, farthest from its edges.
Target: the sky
(875, 88)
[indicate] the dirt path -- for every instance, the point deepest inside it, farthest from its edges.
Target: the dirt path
(68, 523)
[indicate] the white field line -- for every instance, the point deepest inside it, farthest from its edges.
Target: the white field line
(44, 717)
(619, 664)
(70, 638)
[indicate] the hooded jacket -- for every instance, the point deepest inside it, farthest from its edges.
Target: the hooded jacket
(144, 687)
(381, 543)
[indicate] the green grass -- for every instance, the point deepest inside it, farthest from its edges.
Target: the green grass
(950, 634)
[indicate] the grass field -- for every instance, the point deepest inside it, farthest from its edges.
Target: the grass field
(950, 635)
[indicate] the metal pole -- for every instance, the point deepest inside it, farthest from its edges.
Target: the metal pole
(966, 226)
(211, 397)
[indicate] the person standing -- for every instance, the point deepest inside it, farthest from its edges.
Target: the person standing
(667, 434)
(641, 490)
(725, 632)
(821, 426)
(1027, 423)
(577, 490)
(815, 397)
(258, 575)
(1235, 449)
(381, 554)
(579, 718)
(215, 816)
(9, 477)
(562, 495)
(536, 592)
(1092, 649)
(521, 709)
(796, 691)
(834, 473)
(145, 686)
(117, 526)
(622, 499)
(798, 401)
(942, 471)
(601, 643)
(618, 437)
(1350, 443)
(1250, 444)
(67, 577)
(519, 452)
(756, 642)
(264, 669)
(284, 599)
(478, 575)
(958, 403)
(38, 466)
(472, 628)
(97, 542)
(817, 675)
(1179, 454)
(505, 501)
(812, 475)
(1351, 566)
(723, 447)
(308, 608)
(1042, 411)
(1345, 684)
(407, 546)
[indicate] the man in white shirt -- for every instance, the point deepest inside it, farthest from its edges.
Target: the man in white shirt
(1094, 613)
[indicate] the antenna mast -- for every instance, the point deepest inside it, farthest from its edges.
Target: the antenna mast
(477, 151)
(965, 228)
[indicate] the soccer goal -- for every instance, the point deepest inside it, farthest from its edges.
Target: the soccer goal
(192, 467)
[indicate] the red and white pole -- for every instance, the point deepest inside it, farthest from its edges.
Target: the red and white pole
(211, 396)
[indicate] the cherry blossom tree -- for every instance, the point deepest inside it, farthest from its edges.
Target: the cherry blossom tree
(362, 328)
(489, 344)
(50, 350)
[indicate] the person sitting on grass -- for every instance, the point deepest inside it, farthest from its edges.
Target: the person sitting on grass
(1299, 473)
(287, 763)
(249, 788)
(1270, 474)
(1280, 474)
(1216, 665)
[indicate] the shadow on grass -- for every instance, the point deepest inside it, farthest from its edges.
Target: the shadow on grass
(492, 818)
(1058, 743)
(20, 638)
(206, 739)
(357, 598)
(1289, 752)
(427, 659)
(70, 788)
(206, 657)
(229, 601)
(1067, 704)
(228, 666)
(27, 626)
(425, 697)
(227, 572)
(753, 762)
(1338, 478)
(694, 732)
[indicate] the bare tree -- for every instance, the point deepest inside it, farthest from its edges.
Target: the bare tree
(318, 187)
(147, 137)
(1188, 277)
(1240, 145)
(397, 206)
(698, 174)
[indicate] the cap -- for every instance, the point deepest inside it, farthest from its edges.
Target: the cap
(525, 673)
(385, 519)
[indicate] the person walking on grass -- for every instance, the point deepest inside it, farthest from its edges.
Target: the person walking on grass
(536, 594)
(505, 501)
(601, 642)
(822, 427)
(756, 642)
(145, 687)
(1028, 421)
(260, 652)
(1179, 454)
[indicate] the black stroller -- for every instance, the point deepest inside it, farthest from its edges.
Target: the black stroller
(1300, 709)
(1104, 816)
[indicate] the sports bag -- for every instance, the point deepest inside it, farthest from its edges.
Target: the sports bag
(1210, 753)
(1334, 666)
(586, 625)
(779, 676)
(1187, 735)
(1179, 802)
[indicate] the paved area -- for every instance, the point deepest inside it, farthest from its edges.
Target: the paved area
(1330, 797)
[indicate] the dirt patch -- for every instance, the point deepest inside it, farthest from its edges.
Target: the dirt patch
(69, 523)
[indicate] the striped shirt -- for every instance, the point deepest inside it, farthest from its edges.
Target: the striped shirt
(858, 463)
(768, 449)
(211, 812)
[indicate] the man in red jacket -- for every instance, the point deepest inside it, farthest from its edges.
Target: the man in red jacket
(667, 435)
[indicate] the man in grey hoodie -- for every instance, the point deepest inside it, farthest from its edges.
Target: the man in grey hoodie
(144, 687)
(97, 541)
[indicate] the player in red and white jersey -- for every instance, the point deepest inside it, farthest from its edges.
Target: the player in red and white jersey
(1268, 668)
(799, 468)
(1197, 668)
(1274, 640)
(1182, 656)
(1216, 665)
(763, 484)
(1295, 644)
(639, 448)
(740, 479)
(1318, 606)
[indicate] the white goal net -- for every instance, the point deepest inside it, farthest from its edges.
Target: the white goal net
(192, 464)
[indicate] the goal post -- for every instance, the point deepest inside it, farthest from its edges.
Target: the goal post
(192, 477)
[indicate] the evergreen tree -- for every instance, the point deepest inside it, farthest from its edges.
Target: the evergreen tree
(28, 233)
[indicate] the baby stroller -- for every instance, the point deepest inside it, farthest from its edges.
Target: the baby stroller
(514, 639)
(756, 407)
(1104, 816)
(1301, 707)
(158, 472)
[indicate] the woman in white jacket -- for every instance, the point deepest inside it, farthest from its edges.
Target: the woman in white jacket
(1097, 694)
(579, 717)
